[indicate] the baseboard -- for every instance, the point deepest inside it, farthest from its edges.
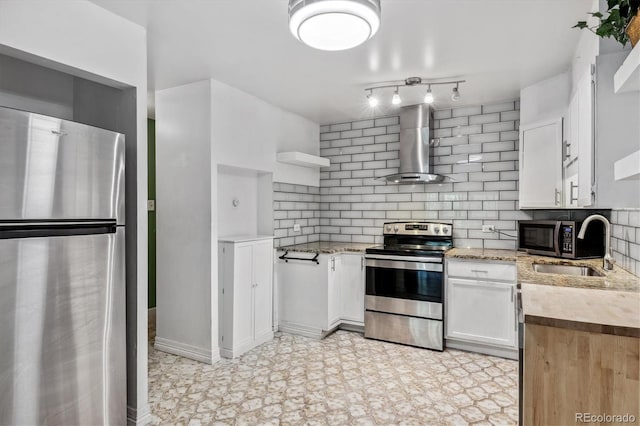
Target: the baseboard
(301, 330)
(188, 351)
(352, 326)
(482, 349)
(138, 417)
(246, 346)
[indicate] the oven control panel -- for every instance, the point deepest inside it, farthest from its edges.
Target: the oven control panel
(418, 228)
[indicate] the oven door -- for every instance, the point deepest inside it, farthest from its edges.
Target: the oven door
(539, 237)
(410, 278)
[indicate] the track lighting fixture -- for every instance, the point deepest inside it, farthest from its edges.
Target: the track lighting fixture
(429, 97)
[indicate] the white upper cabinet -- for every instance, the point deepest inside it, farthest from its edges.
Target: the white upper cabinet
(557, 143)
(541, 164)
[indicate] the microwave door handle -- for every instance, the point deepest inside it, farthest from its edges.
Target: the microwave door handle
(556, 238)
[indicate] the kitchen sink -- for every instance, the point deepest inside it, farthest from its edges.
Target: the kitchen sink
(584, 271)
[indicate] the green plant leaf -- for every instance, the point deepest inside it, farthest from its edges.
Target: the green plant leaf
(611, 3)
(596, 14)
(581, 25)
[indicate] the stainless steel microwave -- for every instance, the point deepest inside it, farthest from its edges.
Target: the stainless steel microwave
(559, 238)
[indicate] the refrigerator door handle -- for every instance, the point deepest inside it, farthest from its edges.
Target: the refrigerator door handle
(30, 229)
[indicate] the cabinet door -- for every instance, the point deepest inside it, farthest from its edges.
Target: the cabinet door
(481, 312)
(584, 140)
(541, 165)
(333, 291)
(352, 288)
(242, 295)
(263, 288)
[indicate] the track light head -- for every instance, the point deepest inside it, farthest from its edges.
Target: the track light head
(373, 101)
(455, 95)
(428, 98)
(396, 100)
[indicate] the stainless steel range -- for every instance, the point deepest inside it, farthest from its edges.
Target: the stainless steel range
(405, 284)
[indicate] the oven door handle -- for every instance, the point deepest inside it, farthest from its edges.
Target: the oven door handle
(397, 264)
(404, 258)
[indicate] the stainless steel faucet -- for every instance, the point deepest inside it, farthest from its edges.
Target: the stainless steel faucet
(608, 261)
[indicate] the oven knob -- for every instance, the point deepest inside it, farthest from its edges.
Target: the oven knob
(436, 229)
(388, 228)
(445, 229)
(395, 228)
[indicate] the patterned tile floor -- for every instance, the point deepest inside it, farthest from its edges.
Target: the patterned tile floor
(341, 380)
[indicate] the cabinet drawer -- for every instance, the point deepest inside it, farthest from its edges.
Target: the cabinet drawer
(481, 270)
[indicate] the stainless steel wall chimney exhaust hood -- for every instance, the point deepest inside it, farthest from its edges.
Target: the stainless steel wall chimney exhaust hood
(416, 148)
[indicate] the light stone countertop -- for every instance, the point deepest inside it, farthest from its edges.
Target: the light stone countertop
(592, 310)
(609, 304)
(327, 247)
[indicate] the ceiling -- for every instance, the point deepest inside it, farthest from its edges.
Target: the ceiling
(498, 46)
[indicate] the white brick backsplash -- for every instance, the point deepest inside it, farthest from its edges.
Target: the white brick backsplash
(466, 111)
(362, 124)
(340, 127)
(509, 135)
(485, 118)
(375, 131)
(353, 204)
(498, 146)
(510, 115)
(485, 137)
(445, 113)
(625, 241)
(387, 121)
(454, 122)
(495, 127)
(505, 106)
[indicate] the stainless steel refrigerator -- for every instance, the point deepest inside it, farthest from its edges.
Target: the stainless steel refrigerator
(62, 272)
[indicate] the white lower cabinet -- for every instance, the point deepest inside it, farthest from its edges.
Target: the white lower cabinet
(314, 299)
(480, 307)
(246, 295)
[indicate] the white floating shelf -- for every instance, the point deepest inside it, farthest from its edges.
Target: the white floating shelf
(628, 167)
(627, 78)
(302, 159)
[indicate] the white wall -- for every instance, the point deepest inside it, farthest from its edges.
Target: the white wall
(82, 39)
(240, 185)
(547, 99)
(183, 215)
(248, 132)
(617, 135)
(245, 133)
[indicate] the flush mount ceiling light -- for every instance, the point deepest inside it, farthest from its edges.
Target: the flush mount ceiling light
(334, 24)
(429, 97)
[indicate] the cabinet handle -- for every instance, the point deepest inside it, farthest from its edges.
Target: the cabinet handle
(333, 263)
(362, 263)
(557, 201)
(515, 311)
(512, 294)
(572, 199)
(480, 271)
